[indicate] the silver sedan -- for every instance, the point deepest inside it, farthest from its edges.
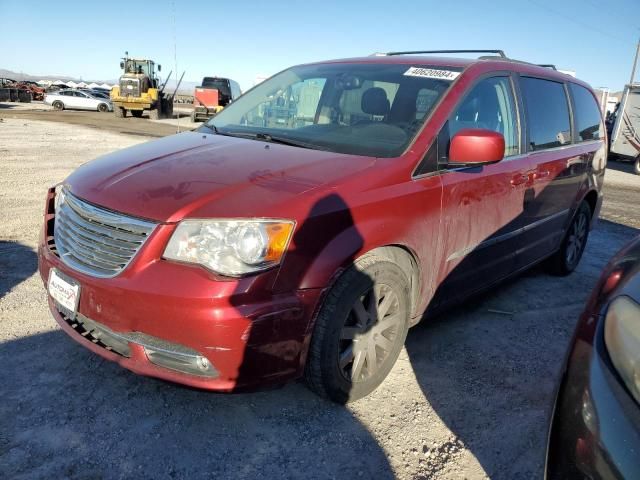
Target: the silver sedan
(77, 99)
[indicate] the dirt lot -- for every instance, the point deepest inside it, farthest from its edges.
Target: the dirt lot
(103, 121)
(469, 397)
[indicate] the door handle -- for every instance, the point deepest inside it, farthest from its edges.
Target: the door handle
(540, 174)
(519, 179)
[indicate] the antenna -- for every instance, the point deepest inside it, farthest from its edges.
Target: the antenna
(635, 64)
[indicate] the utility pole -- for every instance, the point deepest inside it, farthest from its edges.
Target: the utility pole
(635, 63)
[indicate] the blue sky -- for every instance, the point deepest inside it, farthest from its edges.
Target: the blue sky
(243, 39)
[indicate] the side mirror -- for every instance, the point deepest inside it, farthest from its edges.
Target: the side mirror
(476, 146)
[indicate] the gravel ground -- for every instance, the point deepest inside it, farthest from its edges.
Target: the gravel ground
(469, 397)
(102, 121)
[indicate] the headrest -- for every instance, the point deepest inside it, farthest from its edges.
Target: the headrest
(375, 102)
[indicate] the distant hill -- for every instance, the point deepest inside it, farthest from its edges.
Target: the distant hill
(186, 87)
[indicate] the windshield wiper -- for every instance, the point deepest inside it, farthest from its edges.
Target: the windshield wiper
(265, 137)
(211, 127)
(275, 139)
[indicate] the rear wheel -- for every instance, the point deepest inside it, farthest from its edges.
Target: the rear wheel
(103, 107)
(136, 113)
(360, 330)
(566, 259)
(58, 105)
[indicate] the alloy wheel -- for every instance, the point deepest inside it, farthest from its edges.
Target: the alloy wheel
(577, 236)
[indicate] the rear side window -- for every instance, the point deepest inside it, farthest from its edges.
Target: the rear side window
(587, 114)
(547, 113)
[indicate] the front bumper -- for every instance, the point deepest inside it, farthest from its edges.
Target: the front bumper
(251, 337)
(595, 431)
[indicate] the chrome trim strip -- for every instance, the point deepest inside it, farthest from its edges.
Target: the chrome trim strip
(106, 217)
(492, 241)
(177, 357)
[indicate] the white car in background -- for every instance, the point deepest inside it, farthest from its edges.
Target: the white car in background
(77, 99)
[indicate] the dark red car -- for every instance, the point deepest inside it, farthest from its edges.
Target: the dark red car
(306, 227)
(595, 431)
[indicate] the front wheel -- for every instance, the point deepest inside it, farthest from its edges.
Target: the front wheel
(360, 330)
(57, 105)
(566, 259)
(103, 108)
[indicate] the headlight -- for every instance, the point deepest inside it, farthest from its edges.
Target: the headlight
(622, 337)
(230, 247)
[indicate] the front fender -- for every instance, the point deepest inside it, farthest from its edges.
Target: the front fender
(339, 251)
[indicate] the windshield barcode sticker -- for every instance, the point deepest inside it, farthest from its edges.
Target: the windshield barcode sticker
(431, 73)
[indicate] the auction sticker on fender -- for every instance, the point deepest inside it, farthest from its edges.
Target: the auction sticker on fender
(431, 73)
(64, 292)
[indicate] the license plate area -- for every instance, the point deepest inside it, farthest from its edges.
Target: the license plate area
(64, 291)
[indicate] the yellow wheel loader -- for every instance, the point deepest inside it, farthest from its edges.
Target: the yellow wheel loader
(139, 89)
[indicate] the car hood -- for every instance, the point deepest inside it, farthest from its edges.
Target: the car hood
(194, 174)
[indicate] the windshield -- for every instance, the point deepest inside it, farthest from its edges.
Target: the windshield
(361, 109)
(220, 84)
(141, 67)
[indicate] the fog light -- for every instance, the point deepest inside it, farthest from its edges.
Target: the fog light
(180, 361)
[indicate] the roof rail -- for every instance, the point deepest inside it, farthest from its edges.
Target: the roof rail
(547, 65)
(498, 52)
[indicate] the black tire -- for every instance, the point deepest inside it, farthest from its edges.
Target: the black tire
(120, 112)
(58, 105)
(137, 113)
(167, 108)
(103, 107)
(566, 259)
(636, 166)
(346, 330)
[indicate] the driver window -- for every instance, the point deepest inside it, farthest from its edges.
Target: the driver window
(489, 105)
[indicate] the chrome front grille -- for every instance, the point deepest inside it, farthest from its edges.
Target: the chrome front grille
(94, 240)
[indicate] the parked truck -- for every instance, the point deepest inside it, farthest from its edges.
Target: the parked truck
(624, 126)
(213, 95)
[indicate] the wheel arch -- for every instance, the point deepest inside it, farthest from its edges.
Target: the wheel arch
(347, 248)
(591, 197)
(407, 260)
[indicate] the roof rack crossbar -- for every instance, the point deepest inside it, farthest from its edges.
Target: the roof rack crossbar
(547, 65)
(498, 52)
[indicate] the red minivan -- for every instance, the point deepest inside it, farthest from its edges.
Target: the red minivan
(305, 228)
